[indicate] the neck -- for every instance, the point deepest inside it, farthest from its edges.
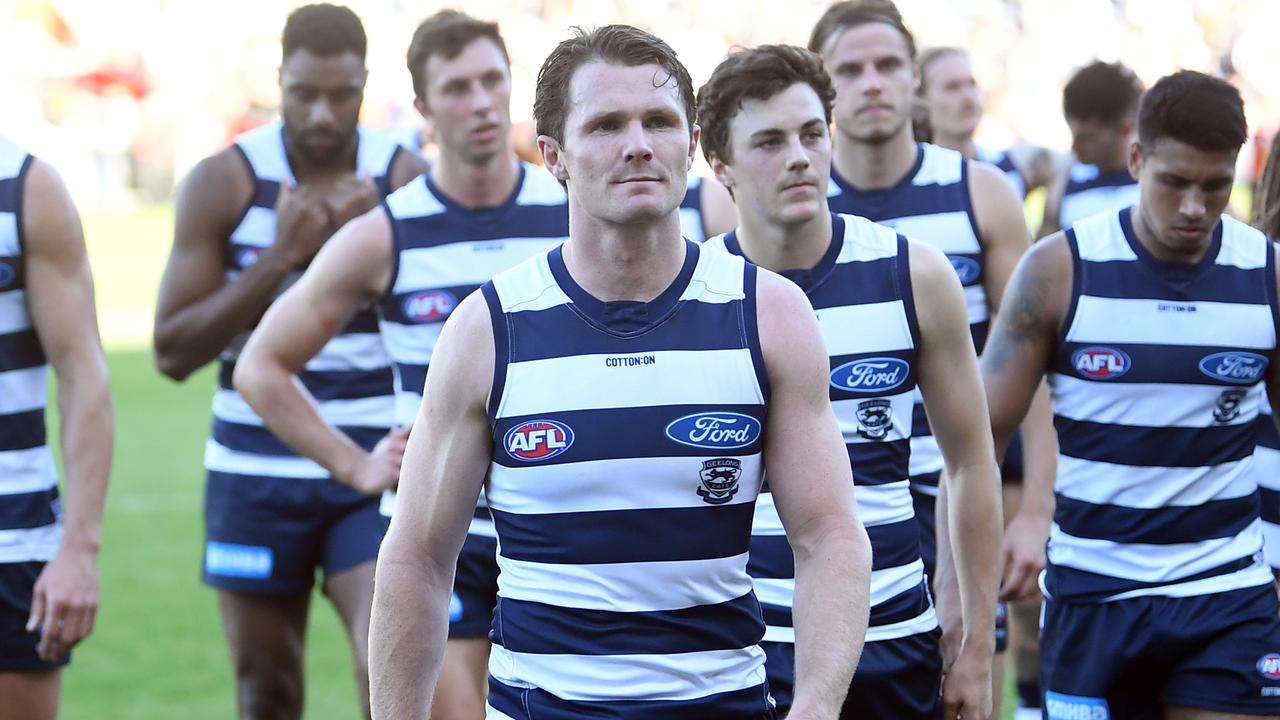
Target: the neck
(486, 183)
(779, 247)
(1114, 165)
(962, 144)
(623, 262)
(875, 166)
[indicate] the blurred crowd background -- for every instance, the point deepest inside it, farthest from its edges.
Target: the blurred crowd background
(124, 96)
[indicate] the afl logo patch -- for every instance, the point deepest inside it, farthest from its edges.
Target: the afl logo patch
(870, 375)
(1269, 666)
(1100, 363)
(1241, 368)
(967, 269)
(715, 430)
(7, 274)
(537, 440)
(428, 306)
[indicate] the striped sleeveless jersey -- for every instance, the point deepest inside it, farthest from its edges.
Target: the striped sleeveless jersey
(1156, 384)
(1266, 462)
(30, 513)
(350, 378)
(1089, 191)
(627, 459)
(444, 252)
(861, 290)
(1004, 163)
(931, 204)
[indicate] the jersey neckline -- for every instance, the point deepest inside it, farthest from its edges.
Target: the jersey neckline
(624, 317)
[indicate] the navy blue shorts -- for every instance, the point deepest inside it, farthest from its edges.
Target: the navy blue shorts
(926, 509)
(17, 646)
(475, 588)
(269, 535)
(899, 678)
(1130, 658)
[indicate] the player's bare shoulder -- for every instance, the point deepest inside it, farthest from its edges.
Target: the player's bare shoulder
(789, 333)
(464, 359)
(217, 190)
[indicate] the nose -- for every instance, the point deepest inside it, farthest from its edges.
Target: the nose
(636, 143)
(1192, 204)
(797, 158)
(321, 114)
(481, 99)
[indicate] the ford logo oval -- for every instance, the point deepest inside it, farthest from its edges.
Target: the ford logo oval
(537, 440)
(715, 430)
(7, 274)
(428, 306)
(870, 375)
(1241, 368)
(967, 269)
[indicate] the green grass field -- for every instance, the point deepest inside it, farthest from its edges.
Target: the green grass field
(157, 651)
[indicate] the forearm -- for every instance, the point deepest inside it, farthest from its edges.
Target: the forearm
(290, 413)
(407, 634)
(974, 524)
(831, 610)
(87, 438)
(190, 337)
(1040, 452)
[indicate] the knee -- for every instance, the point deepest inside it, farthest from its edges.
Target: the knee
(267, 692)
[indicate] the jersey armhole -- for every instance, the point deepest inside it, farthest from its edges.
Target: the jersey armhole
(1077, 284)
(389, 291)
(1271, 289)
(751, 327)
(501, 348)
(383, 181)
(20, 188)
(969, 209)
(253, 197)
(902, 268)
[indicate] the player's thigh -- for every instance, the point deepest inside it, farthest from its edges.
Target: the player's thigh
(460, 690)
(30, 695)
(1094, 661)
(265, 633)
(1178, 712)
(18, 648)
(899, 678)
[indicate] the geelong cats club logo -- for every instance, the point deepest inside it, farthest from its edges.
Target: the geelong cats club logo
(719, 480)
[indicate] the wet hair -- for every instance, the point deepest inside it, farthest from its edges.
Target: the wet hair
(323, 30)
(447, 33)
(851, 13)
(756, 74)
(1197, 109)
(616, 44)
(929, 57)
(1266, 199)
(1105, 92)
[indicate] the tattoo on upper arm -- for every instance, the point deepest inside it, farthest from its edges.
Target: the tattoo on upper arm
(1022, 319)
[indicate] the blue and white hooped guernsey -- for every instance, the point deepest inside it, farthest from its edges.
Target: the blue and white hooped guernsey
(350, 378)
(30, 513)
(1004, 163)
(931, 204)
(627, 459)
(861, 290)
(691, 225)
(444, 252)
(1156, 384)
(1089, 192)
(1266, 464)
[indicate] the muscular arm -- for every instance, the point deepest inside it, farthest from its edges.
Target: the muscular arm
(351, 271)
(1053, 205)
(444, 467)
(719, 214)
(199, 313)
(952, 388)
(60, 295)
(1003, 228)
(1017, 357)
(809, 474)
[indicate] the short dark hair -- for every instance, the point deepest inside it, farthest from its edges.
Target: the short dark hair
(1106, 92)
(929, 57)
(618, 44)
(851, 13)
(1197, 109)
(756, 74)
(446, 33)
(323, 30)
